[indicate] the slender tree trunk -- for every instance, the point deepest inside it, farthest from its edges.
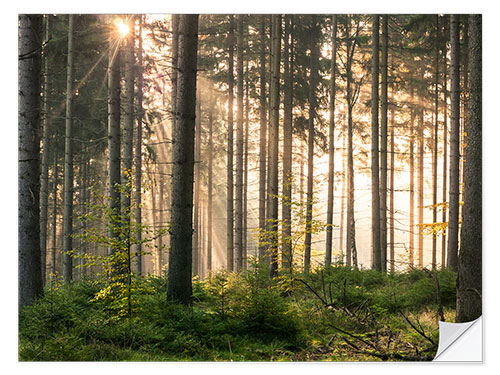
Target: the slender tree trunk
(68, 160)
(161, 220)
(114, 140)
(342, 198)
(313, 79)
(391, 200)
(383, 146)
(469, 284)
(412, 181)
(179, 286)
(287, 149)
(44, 191)
(452, 260)
(351, 252)
(29, 65)
(230, 152)
(210, 187)
(445, 148)
(375, 167)
(197, 183)
(262, 138)
(421, 141)
(239, 149)
(128, 141)
(138, 156)
(245, 169)
(272, 211)
(54, 217)
(435, 144)
(331, 148)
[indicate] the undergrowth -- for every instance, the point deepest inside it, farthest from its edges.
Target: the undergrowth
(329, 314)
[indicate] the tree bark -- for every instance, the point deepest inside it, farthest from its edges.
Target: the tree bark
(128, 139)
(445, 147)
(197, 183)
(383, 146)
(412, 182)
(179, 286)
(452, 259)
(44, 191)
(262, 138)
(238, 244)
(375, 167)
(138, 156)
(210, 187)
(469, 283)
(230, 152)
(29, 65)
(68, 160)
(313, 79)
(272, 211)
(331, 148)
(435, 148)
(114, 143)
(286, 204)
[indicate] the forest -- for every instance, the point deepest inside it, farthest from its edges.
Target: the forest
(247, 187)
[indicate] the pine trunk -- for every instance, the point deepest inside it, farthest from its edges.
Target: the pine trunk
(68, 161)
(313, 79)
(331, 148)
(179, 286)
(238, 243)
(375, 167)
(452, 260)
(29, 65)
(286, 204)
(272, 211)
(383, 146)
(138, 156)
(44, 190)
(262, 138)
(469, 284)
(230, 152)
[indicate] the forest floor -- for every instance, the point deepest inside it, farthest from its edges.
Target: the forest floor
(333, 314)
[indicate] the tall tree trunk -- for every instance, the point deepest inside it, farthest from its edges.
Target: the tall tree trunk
(469, 284)
(421, 141)
(29, 65)
(138, 156)
(197, 183)
(68, 160)
(245, 167)
(331, 148)
(179, 286)
(342, 198)
(262, 138)
(383, 146)
(230, 152)
(391, 200)
(128, 140)
(412, 181)
(272, 211)
(210, 186)
(114, 140)
(375, 167)
(238, 243)
(351, 252)
(55, 176)
(435, 144)
(286, 205)
(44, 191)
(445, 147)
(452, 260)
(313, 79)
